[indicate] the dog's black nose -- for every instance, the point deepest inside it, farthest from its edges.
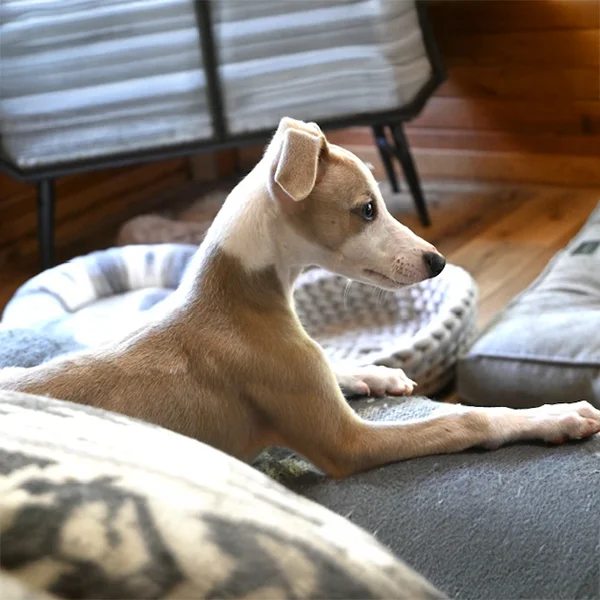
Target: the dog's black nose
(435, 263)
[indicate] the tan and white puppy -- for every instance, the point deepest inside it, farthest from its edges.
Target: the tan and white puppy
(226, 360)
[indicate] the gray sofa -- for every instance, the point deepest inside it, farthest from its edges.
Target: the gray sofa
(521, 522)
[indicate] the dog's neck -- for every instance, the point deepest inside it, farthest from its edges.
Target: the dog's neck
(251, 227)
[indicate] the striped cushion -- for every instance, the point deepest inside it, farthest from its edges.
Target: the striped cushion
(316, 59)
(84, 79)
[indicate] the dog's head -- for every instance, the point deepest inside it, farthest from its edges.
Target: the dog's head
(330, 198)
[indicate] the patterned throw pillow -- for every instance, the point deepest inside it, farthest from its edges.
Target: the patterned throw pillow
(96, 505)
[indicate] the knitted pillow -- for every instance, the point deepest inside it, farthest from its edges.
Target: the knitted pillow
(421, 329)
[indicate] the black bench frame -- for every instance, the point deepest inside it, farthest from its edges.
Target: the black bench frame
(387, 129)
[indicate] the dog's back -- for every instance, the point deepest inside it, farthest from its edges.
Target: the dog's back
(196, 368)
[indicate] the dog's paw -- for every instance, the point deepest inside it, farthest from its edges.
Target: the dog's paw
(558, 423)
(375, 381)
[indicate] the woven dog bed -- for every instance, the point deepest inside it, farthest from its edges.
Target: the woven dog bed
(421, 329)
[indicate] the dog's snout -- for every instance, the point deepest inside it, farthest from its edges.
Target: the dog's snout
(435, 263)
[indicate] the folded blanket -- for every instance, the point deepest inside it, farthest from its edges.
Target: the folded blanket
(82, 79)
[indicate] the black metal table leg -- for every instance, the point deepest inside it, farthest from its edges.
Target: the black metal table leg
(46, 197)
(385, 152)
(210, 63)
(405, 158)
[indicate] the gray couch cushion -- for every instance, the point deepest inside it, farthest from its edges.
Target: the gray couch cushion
(545, 346)
(521, 522)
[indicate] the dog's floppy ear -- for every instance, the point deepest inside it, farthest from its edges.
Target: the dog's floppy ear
(298, 163)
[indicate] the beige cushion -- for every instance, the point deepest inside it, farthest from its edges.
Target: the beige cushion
(95, 505)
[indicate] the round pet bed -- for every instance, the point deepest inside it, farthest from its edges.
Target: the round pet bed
(95, 298)
(421, 329)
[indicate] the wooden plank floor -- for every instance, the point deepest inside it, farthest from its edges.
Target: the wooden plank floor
(502, 234)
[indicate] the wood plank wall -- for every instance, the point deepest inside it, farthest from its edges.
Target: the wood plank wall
(87, 203)
(522, 102)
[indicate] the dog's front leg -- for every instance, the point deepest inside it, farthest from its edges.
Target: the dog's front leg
(320, 425)
(374, 381)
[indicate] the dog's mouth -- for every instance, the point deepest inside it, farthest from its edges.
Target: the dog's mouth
(388, 281)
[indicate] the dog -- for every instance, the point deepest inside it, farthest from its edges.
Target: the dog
(226, 359)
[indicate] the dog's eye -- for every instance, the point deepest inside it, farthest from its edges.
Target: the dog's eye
(368, 211)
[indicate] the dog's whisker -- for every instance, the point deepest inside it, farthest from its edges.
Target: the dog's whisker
(381, 295)
(345, 295)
